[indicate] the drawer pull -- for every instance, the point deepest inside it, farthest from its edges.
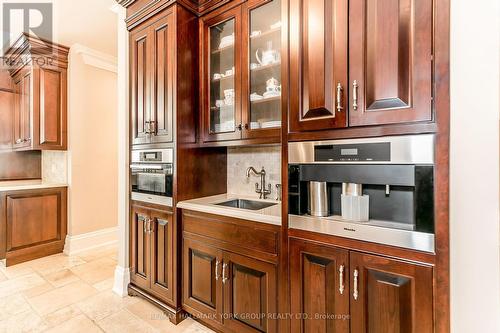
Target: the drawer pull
(341, 279)
(355, 292)
(217, 263)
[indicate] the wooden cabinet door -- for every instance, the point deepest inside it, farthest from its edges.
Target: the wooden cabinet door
(390, 60)
(7, 100)
(22, 111)
(161, 254)
(392, 296)
(35, 223)
(250, 294)
(140, 85)
(221, 96)
(163, 76)
(49, 108)
(202, 282)
(140, 247)
(318, 64)
(319, 284)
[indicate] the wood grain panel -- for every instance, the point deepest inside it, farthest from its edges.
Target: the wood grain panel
(162, 255)
(316, 302)
(318, 63)
(6, 119)
(50, 122)
(202, 291)
(140, 248)
(394, 296)
(391, 60)
(32, 220)
(250, 294)
(33, 223)
(163, 80)
(140, 84)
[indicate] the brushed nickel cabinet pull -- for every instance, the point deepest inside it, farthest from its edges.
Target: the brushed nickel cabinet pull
(355, 95)
(217, 263)
(339, 97)
(224, 278)
(355, 293)
(341, 279)
(152, 124)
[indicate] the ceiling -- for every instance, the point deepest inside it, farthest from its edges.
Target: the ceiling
(91, 23)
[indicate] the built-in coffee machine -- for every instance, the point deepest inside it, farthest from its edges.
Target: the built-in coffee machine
(379, 190)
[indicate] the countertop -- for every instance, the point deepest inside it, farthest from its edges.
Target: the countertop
(270, 215)
(19, 185)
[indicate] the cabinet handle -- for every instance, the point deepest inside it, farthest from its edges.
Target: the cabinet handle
(217, 263)
(150, 226)
(224, 278)
(145, 225)
(152, 125)
(355, 292)
(339, 97)
(240, 127)
(355, 95)
(341, 279)
(18, 141)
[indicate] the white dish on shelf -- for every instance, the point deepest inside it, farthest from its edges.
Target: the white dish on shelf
(270, 124)
(271, 94)
(254, 125)
(255, 97)
(275, 25)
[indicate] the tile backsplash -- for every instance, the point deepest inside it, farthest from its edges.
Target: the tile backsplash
(54, 166)
(240, 158)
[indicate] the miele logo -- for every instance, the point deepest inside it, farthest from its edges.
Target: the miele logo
(350, 229)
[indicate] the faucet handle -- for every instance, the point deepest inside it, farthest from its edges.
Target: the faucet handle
(257, 187)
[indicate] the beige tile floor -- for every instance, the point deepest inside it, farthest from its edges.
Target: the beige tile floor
(73, 294)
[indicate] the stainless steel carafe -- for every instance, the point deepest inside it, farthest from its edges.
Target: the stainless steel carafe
(318, 199)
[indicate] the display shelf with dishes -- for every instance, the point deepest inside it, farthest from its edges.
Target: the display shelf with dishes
(223, 76)
(264, 67)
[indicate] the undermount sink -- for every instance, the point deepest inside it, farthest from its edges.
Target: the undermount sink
(246, 204)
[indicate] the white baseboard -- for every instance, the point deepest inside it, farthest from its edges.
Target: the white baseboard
(92, 240)
(122, 279)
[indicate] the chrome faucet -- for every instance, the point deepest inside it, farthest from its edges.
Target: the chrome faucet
(263, 192)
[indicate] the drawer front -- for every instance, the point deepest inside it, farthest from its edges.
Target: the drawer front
(243, 234)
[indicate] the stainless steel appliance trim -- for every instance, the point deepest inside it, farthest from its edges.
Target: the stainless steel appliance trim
(167, 155)
(396, 237)
(408, 149)
(151, 198)
(146, 166)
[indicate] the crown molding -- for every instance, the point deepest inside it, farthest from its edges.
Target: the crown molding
(96, 58)
(125, 3)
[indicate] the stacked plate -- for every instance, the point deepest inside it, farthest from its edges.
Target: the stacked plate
(254, 125)
(270, 124)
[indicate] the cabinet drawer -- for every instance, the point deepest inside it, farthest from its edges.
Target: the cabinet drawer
(240, 234)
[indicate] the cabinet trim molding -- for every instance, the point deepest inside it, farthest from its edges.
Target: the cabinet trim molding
(96, 58)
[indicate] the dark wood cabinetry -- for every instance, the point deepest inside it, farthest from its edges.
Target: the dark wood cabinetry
(232, 287)
(390, 295)
(383, 75)
(241, 78)
(390, 61)
(7, 100)
(32, 224)
(338, 290)
(40, 87)
(151, 251)
(152, 59)
(318, 64)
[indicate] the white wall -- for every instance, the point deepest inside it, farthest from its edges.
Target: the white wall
(474, 189)
(92, 138)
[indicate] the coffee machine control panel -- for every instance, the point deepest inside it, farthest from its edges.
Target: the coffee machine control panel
(358, 152)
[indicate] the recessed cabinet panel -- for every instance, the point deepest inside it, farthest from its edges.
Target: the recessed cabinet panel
(163, 81)
(318, 64)
(390, 61)
(32, 220)
(249, 294)
(320, 288)
(162, 254)
(390, 295)
(140, 247)
(50, 125)
(140, 85)
(202, 269)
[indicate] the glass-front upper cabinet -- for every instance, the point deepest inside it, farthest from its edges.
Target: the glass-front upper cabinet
(262, 69)
(222, 80)
(241, 72)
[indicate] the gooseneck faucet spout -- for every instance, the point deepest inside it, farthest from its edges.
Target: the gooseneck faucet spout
(263, 192)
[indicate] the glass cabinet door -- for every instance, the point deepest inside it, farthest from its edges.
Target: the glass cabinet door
(224, 112)
(263, 96)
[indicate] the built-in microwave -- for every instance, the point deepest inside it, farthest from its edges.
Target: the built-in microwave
(152, 175)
